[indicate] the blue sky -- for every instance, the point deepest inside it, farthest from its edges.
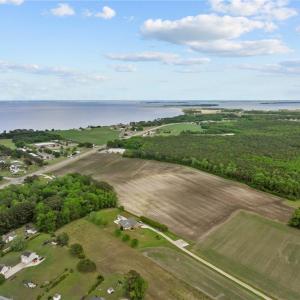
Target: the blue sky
(140, 50)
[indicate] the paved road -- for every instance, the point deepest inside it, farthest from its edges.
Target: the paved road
(50, 168)
(211, 266)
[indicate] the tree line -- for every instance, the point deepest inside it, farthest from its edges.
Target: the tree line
(52, 204)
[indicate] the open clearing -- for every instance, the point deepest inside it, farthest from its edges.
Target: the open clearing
(261, 252)
(7, 143)
(175, 129)
(97, 136)
(190, 202)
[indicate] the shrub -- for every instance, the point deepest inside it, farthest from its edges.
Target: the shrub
(76, 250)
(155, 224)
(18, 244)
(62, 239)
(125, 238)
(95, 218)
(118, 232)
(86, 265)
(295, 220)
(2, 279)
(99, 280)
(134, 243)
(135, 286)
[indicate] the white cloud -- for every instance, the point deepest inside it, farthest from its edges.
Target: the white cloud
(272, 9)
(200, 28)
(289, 67)
(214, 34)
(240, 48)
(124, 68)
(63, 10)
(14, 2)
(107, 13)
(163, 57)
(59, 72)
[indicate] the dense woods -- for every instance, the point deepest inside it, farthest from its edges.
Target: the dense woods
(53, 204)
(264, 151)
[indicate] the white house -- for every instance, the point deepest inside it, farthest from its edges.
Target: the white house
(4, 269)
(27, 257)
(14, 169)
(30, 230)
(6, 238)
(56, 297)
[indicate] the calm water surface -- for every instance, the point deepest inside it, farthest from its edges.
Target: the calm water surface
(73, 114)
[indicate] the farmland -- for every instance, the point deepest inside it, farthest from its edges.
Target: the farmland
(261, 252)
(97, 136)
(176, 129)
(190, 202)
(112, 256)
(261, 151)
(195, 274)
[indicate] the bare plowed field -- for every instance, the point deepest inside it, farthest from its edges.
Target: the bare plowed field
(190, 202)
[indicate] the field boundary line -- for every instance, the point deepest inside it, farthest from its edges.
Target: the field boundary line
(211, 266)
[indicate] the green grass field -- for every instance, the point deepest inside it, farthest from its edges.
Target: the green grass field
(263, 253)
(197, 275)
(113, 257)
(176, 129)
(7, 143)
(97, 136)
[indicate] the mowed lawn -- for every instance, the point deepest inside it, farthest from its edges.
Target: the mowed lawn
(262, 252)
(8, 143)
(56, 262)
(114, 258)
(176, 129)
(97, 136)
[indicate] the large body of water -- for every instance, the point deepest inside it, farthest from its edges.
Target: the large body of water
(73, 114)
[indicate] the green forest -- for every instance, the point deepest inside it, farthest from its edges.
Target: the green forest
(264, 150)
(52, 204)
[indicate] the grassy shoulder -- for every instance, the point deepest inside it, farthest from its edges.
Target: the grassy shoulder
(97, 136)
(262, 252)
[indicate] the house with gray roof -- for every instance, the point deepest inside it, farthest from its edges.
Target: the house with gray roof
(128, 224)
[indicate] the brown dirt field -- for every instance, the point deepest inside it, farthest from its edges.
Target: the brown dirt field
(189, 201)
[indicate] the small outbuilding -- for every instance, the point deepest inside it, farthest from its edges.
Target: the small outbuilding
(56, 297)
(110, 290)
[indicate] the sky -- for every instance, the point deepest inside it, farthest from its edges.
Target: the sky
(150, 50)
